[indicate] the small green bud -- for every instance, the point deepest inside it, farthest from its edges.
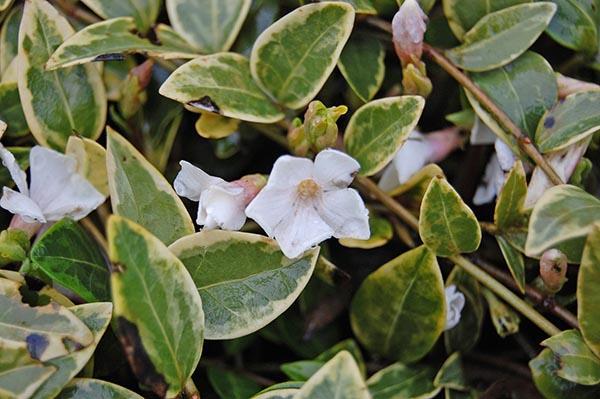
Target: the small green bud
(320, 124)
(14, 245)
(297, 139)
(415, 80)
(133, 91)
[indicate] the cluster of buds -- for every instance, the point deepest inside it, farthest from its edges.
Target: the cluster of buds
(319, 130)
(408, 29)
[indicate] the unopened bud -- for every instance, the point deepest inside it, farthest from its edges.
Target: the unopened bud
(415, 80)
(408, 29)
(133, 94)
(297, 139)
(320, 124)
(553, 270)
(14, 245)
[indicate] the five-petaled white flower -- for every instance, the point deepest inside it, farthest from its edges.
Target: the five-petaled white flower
(455, 302)
(221, 203)
(305, 203)
(56, 190)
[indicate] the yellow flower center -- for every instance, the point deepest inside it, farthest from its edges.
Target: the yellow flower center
(308, 189)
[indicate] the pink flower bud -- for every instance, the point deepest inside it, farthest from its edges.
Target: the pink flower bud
(252, 184)
(443, 142)
(408, 28)
(553, 270)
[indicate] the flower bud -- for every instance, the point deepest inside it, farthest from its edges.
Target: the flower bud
(252, 184)
(14, 245)
(415, 80)
(297, 139)
(553, 270)
(133, 94)
(320, 125)
(408, 29)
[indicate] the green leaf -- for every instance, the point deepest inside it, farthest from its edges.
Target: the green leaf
(74, 260)
(144, 12)
(14, 354)
(139, 192)
(465, 335)
(338, 378)
(509, 32)
(514, 261)
(524, 89)
(509, 211)
(213, 126)
(221, 83)
(9, 38)
(230, 385)
(382, 232)
(46, 329)
(544, 370)
(109, 38)
(244, 280)
(362, 6)
(378, 129)
(284, 393)
(413, 317)
(573, 25)
(462, 15)
(211, 25)
(564, 215)
(91, 161)
(96, 317)
(11, 111)
(89, 388)
(158, 310)
(451, 374)
(361, 63)
(588, 296)
(301, 370)
(292, 59)
(348, 345)
(402, 381)
(56, 103)
(569, 121)
(577, 362)
(21, 382)
(446, 224)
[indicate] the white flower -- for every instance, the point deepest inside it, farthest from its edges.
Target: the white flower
(56, 190)
(221, 203)
(455, 302)
(305, 203)
(493, 178)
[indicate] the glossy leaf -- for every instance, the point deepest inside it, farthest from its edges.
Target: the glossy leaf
(244, 280)
(139, 192)
(338, 378)
(213, 126)
(402, 381)
(362, 6)
(588, 296)
(564, 215)
(509, 32)
(283, 393)
(96, 317)
(74, 260)
(44, 328)
(524, 89)
(447, 225)
(158, 310)
(211, 25)
(11, 111)
(56, 103)
(361, 63)
(407, 327)
(544, 369)
(509, 211)
(514, 260)
(14, 354)
(221, 83)
(382, 232)
(21, 382)
(301, 370)
(89, 388)
(292, 59)
(451, 374)
(9, 38)
(108, 39)
(574, 26)
(349, 345)
(465, 335)
(577, 362)
(230, 385)
(378, 129)
(462, 16)
(144, 12)
(91, 161)
(568, 122)
(415, 187)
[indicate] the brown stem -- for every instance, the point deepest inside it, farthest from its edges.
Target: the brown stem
(71, 10)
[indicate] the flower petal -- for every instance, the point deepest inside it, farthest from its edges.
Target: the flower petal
(455, 302)
(412, 156)
(334, 169)
(271, 207)
(492, 182)
(191, 181)
(288, 171)
(506, 158)
(17, 174)
(22, 205)
(345, 212)
(389, 178)
(224, 206)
